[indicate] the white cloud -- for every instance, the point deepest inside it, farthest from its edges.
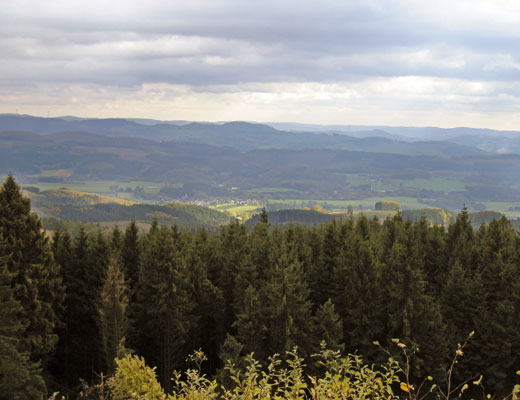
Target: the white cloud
(332, 62)
(414, 100)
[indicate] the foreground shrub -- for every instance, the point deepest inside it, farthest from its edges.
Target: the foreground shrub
(133, 379)
(337, 378)
(343, 378)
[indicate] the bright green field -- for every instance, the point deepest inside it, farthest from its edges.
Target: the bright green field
(234, 209)
(223, 206)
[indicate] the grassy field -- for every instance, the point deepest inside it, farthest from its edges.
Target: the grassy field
(243, 211)
(55, 173)
(502, 207)
(406, 202)
(223, 206)
(68, 196)
(440, 183)
(271, 190)
(367, 213)
(101, 187)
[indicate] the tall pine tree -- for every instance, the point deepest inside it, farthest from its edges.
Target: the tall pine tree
(36, 279)
(20, 378)
(164, 306)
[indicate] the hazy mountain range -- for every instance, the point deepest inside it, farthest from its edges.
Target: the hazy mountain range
(236, 157)
(244, 135)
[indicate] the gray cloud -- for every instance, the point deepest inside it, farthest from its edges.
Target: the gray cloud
(207, 45)
(235, 41)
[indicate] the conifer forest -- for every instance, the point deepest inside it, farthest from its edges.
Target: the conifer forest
(364, 309)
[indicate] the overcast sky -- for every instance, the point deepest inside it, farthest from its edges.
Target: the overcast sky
(408, 62)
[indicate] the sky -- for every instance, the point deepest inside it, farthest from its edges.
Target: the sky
(439, 63)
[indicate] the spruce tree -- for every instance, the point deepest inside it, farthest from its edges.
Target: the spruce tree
(251, 325)
(58, 365)
(496, 335)
(460, 245)
(431, 243)
(20, 378)
(288, 308)
(413, 315)
(260, 245)
(321, 272)
(83, 276)
(297, 240)
(36, 277)
(164, 307)
(130, 252)
(116, 241)
(359, 297)
(112, 313)
(327, 327)
(232, 262)
(208, 334)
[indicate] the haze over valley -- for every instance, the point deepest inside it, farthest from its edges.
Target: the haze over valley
(258, 165)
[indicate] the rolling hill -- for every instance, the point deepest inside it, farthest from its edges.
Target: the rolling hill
(72, 205)
(305, 173)
(238, 135)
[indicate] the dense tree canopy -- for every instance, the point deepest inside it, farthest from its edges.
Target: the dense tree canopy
(165, 293)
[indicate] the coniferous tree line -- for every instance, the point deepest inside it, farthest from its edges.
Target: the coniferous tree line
(70, 305)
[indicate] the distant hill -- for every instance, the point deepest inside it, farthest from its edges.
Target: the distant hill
(304, 173)
(406, 133)
(238, 135)
(303, 217)
(67, 197)
(184, 215)
(72, 205)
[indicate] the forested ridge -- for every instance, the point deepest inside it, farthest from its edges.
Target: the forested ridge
(308, 172)
(71, 305)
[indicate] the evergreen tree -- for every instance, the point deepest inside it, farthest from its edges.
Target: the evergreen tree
(231, 351)
(208, 301)
(431, 245)
(20, 378)
(116, 241)
(288, 309)
(260, 245)
(164, 316)
(130, 252)
(112, 313)
(321, 273)
(36, 277)
(359, 296)
(461, 297)
(413, 315)
(58, 365)
(327, 326)
(495, 331)
(460, 244)
(84, 276)
(232, 262)
(297, 240)
(251, 325)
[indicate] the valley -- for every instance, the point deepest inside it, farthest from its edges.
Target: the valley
(241, 167)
